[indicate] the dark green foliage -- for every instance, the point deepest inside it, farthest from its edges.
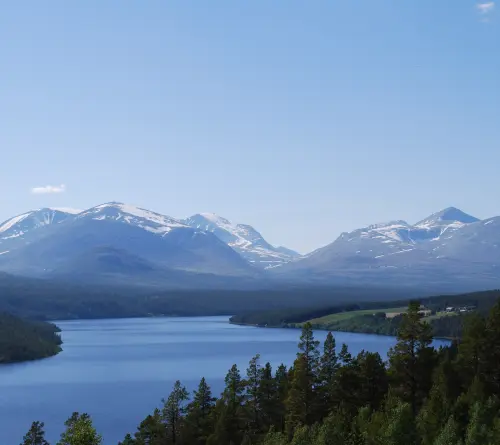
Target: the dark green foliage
(470, 353)
(269, 399)
(302, 402)
(22, 340)
(173, 410)
(412, 359)
(450, 327)
(35, 435)
(230, 414)
(490, 362)
(400, 429)
(424, 397)
(253, 397)
(151, 430)
(80, 431)
(450, 434)
(52, 300)
(327, 384)
(129, 440)
(373, 380)
(199, 418)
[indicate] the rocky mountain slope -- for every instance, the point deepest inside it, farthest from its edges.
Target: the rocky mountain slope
(244, 239)
(448, 246)
(122, 243)
(72, 245)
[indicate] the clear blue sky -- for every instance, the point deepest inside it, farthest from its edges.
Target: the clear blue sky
(303, 119)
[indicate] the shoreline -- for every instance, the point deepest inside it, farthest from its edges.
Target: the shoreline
(450, 339)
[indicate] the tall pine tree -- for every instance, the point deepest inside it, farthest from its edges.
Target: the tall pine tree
(80, 431)
(412, 359)
(173, 410)
(35, 435)
(199, 418)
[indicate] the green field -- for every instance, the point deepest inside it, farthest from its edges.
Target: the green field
(440, 315)
(341, 316)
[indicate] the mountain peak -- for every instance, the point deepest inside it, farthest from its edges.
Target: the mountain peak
(21, 224)
(130, 214)
(241, 237)
(213, 218)
(449, 214)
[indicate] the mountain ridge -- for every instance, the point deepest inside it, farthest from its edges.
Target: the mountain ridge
(117, 240)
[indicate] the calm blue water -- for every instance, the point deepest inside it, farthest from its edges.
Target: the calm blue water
(119, 370)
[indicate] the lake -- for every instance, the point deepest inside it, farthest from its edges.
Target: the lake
(119, 370)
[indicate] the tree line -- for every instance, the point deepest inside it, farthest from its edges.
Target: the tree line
(376, 323)
(22, 340)
(57, 300)
(419, 396)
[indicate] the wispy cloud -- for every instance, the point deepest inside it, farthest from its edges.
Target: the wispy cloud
(48, 189)
(485, 8)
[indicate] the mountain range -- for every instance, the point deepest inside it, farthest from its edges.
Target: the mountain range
(119, 243)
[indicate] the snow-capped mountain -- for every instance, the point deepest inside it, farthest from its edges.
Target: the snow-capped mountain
(447, 246)
(16, 230)
(131, 232)
(20, 224)
(116, 242)
(396, 237)
(128, 214)
(243, 238)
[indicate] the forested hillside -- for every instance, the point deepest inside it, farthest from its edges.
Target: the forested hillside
(329, 397)
(369, 315)
(57, 300)
(22, 340)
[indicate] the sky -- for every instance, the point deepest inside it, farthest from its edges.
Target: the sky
(303, 119)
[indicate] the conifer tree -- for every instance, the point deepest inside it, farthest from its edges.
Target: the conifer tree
(252, 394)
(199, 421)
(298, 405)
(173, 410)
(282, 383)
(80, 431)
(436, 409)
(471, 349)
(450, 434)
(478, 432)
(335, 429)
(412, 359)
(35, 435)
(329, 366)
(229, 426)
(274, 438)
(303, 436)
(269, 398)
(129, 440)
(301, 402)
(400, 428)
(344, 355)
(151, 430)
(372, 379)
(348, 383)
(490, 362)
(308, 348)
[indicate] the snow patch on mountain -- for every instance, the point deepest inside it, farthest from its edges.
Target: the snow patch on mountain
(129, 214)
(13, 221)
(68, 210)
(19, 225)
(243, 238)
